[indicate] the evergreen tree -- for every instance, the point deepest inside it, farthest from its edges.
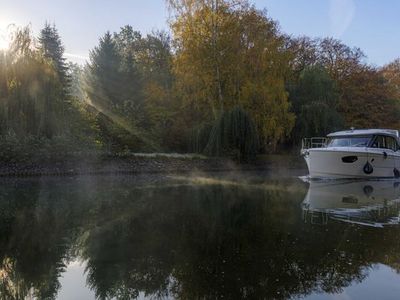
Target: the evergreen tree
(75, 87)
(52, 48)
(111, 88)
(129, 46)
(103, 76)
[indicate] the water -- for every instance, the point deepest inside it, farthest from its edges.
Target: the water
(239, 235)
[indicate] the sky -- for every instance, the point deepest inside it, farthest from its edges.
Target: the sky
(371, 25)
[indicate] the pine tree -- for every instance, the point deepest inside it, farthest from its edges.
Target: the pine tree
(103, 76)
(52, 48)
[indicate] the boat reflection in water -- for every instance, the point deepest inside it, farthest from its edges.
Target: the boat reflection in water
(369, 203)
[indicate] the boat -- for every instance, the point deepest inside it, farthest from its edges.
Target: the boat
(374, 203)
(354, 153)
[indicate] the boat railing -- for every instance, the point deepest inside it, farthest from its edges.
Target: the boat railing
(314, 142)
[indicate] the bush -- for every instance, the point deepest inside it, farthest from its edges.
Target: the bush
(30, 148)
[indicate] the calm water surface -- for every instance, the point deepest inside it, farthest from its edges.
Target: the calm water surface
(209, 236)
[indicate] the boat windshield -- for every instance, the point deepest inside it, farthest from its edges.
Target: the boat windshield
(349, 141)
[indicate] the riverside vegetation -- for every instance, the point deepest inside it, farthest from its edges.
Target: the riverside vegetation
(227, 82)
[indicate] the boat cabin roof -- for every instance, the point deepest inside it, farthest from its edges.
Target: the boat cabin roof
(357, 132)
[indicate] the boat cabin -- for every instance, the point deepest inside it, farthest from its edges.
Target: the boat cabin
(371, 138)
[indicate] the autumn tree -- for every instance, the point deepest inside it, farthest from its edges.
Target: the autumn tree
(368, 101)
(303, 54)
(230, 54)
(365, 94)
(391, 73)
(161, 104)
(340, 60)
(365, 98)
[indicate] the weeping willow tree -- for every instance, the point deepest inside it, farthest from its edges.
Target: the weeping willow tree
(31, 89)
(234, 134)
(315, 99)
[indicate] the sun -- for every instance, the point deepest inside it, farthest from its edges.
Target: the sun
(5, 33)
(4, 41)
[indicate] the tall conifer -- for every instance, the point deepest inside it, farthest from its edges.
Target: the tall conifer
(51, 47)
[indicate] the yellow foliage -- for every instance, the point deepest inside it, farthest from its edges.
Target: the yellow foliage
(230, 54)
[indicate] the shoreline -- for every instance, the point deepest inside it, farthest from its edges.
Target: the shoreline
(144, 164)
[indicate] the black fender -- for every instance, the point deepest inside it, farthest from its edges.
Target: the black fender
(368, 169)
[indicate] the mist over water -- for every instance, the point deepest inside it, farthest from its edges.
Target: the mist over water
(204, 235)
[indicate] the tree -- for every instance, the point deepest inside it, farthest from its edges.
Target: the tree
(233, 134)
(112, 87)
(315, 99)
(263, 92)
(339, 59)
(203, 34)
(391, 72)
(103, 74)
(304, 54)
(76, 77)
(34, 104)
(366, 94)
(228, 54)
(51, 48)
(129, 46)
(368, 101)
(161, 105)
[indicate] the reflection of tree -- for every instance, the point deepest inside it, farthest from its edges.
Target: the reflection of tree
(214, 241)
(204, 241)
(36, 233)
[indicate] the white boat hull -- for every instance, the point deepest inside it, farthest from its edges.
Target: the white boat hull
(329, 162)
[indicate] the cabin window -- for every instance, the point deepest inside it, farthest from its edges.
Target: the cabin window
(391, 143)
(379, 142)
(385, 142)
(349, 141)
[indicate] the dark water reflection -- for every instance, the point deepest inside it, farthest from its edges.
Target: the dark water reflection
(208, 236)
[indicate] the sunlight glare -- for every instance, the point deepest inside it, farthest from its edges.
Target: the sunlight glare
(6, 28)
(3, 44)
(4, 39)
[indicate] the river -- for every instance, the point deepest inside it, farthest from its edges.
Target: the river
(255, 235)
